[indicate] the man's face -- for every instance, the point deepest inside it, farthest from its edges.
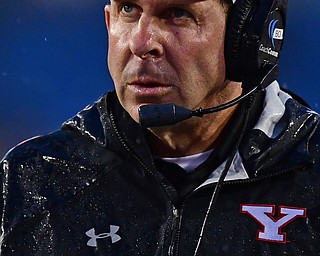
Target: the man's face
(163, 51)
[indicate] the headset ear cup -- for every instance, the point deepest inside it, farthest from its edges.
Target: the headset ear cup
(237, 19)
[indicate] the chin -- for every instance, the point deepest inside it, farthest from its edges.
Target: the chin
(134, 113)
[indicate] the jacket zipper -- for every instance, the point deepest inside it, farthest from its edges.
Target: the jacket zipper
(176, 212)
(252, 180)
(291, 169)
(175, 231)
(125, 145)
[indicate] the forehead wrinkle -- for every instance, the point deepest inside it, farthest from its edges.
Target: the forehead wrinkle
(158, 5)
(185, 1)
(156, 2)
(180, 2)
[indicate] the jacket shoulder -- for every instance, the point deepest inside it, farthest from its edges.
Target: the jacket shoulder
(46, 171)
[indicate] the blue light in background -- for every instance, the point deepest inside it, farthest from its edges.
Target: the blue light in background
(53, 61)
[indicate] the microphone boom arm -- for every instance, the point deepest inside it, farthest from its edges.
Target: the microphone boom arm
(169, 114)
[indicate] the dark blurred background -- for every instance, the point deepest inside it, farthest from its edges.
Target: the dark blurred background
(53, 61)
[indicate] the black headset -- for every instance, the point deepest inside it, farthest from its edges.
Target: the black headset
(254, 37)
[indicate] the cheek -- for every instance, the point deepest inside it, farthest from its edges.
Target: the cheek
(205, 62)
(118, 40)
(202, 51)
(113, 56)
(211, 58)
(204, 70)
(117, 57)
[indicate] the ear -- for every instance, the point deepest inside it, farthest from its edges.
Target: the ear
(107, 15)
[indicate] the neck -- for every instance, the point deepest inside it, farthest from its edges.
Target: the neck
(194, 135)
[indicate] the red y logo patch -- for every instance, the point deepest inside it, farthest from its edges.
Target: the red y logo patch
(271, 227)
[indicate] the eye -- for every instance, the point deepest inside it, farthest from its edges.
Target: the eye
(129, 11)
(127, 8)
(178, 16)
(180, 13)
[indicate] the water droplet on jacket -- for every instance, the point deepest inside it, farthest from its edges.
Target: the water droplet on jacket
(5, 165)
(254, 150)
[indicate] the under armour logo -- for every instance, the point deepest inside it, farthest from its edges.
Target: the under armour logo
(112, 234)
(271, 226)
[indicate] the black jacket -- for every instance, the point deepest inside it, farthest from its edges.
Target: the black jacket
(92, 188)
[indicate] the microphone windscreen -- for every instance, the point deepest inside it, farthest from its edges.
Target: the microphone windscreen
(162, 115)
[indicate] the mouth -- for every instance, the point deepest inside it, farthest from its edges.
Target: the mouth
(149, 89)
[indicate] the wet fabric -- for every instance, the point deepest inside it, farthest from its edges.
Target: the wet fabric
(92, 188)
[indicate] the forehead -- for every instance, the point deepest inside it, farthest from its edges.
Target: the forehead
(164, 2)
(203, 11)
(203, 5)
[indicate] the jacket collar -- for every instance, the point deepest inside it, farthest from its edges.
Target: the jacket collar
(278, 139)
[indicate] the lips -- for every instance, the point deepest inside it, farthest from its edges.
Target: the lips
(149, 82)
(148, 89)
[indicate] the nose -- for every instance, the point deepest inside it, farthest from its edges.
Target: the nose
(145, 41)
